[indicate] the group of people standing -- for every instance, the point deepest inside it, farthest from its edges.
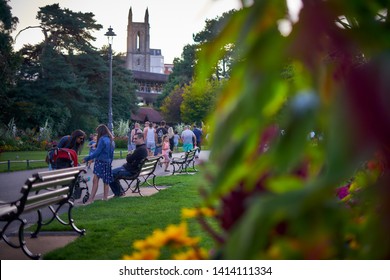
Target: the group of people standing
(154, 137)
(152, 141)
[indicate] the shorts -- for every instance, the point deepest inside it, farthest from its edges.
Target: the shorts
(188, 147)
(151, 146)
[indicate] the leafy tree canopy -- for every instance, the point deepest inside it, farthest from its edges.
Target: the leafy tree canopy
(64, 79)
(67, 30)
(9, 61)
(183, 70)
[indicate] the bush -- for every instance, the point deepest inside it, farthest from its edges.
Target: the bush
(121, 142)
(14, 139)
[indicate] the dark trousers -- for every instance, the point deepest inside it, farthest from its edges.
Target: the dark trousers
(118, 173)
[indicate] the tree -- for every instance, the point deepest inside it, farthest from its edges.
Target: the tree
(171, 106)
(198, 101)
(65, 30)
(182, 73)
(183, 69)
(8, 59)
(64, 79)
(56, 93)
(211, 30)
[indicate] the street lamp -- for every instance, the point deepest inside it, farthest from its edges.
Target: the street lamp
(110, 35)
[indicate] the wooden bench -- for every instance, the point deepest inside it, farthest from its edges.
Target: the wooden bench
(144, 174)
(181, 165)
(48, 189)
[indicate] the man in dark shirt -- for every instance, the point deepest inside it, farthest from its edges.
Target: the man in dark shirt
(132, 165)
(198, 134)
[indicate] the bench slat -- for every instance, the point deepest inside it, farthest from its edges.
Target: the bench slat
(48, 175)
(55, 183)
(59, 171)
(43, 203)
(147, 168)
(52, 193)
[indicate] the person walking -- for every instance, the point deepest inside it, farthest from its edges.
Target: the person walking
(188, 138)
(151, 138)
(132, 165)
(165, 151)
(103, 156)
(198, 134)
(171, 136)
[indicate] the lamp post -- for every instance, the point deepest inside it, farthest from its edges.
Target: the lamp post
(110, 35)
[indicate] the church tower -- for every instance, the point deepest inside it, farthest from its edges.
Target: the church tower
(138, 43)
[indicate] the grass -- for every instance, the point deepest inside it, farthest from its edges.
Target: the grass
(112, 226)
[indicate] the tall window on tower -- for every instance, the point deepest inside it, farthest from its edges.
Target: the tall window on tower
(138, 42)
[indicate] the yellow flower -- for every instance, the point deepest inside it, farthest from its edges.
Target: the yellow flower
(191, 254)
(154, 241)
(178, 236)
(207, 212)
(174, 236)
(188, 213)
(149, 254)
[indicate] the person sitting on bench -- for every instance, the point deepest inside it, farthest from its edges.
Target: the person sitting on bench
(133, 162)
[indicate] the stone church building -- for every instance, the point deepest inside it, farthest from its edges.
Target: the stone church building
(146, 64)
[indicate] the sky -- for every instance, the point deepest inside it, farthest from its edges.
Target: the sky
(172, 22)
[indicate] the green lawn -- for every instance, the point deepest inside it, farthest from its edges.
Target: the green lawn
(112, 226)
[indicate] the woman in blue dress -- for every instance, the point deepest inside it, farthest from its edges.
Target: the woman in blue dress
(103, 155)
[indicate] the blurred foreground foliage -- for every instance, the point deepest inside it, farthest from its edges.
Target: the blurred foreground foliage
(274, 187)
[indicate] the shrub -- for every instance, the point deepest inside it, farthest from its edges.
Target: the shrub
(121, 142)
(121, 128)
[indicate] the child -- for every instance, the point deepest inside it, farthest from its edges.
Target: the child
(53, 146)
(92, 148)
(165, 151)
